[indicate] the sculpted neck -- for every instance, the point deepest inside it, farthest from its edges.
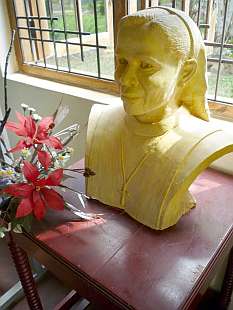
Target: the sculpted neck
(154, 129)
(152, 117)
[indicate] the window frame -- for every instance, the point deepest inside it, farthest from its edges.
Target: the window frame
(217, 109)
(75, 79)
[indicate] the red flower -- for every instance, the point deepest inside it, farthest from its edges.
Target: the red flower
(33, 133)
(35, 194)
(44, 158)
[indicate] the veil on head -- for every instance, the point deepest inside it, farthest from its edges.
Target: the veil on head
(194, 93)
(193, 96)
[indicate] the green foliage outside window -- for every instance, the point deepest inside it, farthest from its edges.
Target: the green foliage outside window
(87, 18)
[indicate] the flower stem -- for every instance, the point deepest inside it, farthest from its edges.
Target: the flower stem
(5, 163)
(5, 71)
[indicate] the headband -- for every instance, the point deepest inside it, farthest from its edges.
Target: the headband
(195, 39)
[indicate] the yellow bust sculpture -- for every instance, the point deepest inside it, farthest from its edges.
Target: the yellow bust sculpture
(147, 151)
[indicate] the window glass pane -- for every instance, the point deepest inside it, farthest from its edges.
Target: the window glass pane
(62, 56)
(106, 40)
(132, 6)
(179, 4)
(216, 20)
(57, 23)
(167, 3)
(59, 36)
(89, 64)
(40, 53)
(229, 35)
(70, 15)
(22, 22)
(225, 86)
(23, 33)
(27, 47)
(88, 18)
(212, 69)
(73, 37)
(50, 55)
(228, 53)
(19, 7)
(107, 63)
(213, 52)
(150, 3)
(35, 34)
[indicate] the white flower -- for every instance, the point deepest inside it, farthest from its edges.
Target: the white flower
(54, 154)
(31, 110)
(69, 150)
(10, 172)
(25, 152)
(61, 157)
(24, 106)
(7, 173)
(36, 117)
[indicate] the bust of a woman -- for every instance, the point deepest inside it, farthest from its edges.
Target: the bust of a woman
(147, 151)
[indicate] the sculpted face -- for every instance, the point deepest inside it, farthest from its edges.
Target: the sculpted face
(147, 72)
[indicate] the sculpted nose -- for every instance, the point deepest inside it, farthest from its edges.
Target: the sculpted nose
(129, 77)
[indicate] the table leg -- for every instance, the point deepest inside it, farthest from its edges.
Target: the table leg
(23, 268)
(227, 287)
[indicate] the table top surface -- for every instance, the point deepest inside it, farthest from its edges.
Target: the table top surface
(141, 266)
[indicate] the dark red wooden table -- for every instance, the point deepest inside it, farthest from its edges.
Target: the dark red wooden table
(116, 262)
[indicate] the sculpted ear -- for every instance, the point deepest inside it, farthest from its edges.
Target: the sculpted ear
(189, 69)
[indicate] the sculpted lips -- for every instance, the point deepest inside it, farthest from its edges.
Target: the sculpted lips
(131, 94)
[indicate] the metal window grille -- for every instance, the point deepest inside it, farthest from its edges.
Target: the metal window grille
(66, 35)
(56, 34)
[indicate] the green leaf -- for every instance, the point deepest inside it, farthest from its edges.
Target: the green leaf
(18, 229)
(24, 222)
(3, 231)
(2, 234)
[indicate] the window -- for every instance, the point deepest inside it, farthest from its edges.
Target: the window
(73, 40)
(67, 40)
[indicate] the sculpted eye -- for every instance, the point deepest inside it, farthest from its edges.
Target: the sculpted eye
(146, 65)
(122, 61)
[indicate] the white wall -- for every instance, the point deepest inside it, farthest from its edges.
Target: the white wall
(46, 101)
(5, 39)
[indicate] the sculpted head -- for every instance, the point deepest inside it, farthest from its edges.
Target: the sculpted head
(161, 65)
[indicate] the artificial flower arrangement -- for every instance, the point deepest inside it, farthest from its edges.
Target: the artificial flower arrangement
(28, 184)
